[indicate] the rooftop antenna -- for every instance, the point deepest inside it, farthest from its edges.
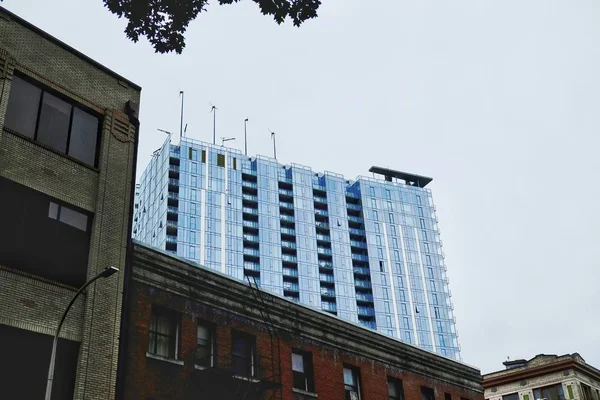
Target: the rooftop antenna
(274, 146)
(214, 111)
(181, 131)
(226, 139)
(245, 137)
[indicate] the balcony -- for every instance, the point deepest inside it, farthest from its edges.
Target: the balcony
(291, 287)
(171, 239)
(319, 199)
(251, 252)
(357, 244)
(324, 238)
(174, 168)
(327, 292)
(289, 206)
(173, 182)
(250, 197)
(174, 196)
(323, 250)
(285, 179)
(357, 220)
(248, 171)
(252, 185)
(365, 298)
(171, 224)
(288, 245)
(286, 192)
(248, 210)
(356, 207)
(317, 186)
(173, 210)
(358, 232)
(250, 224)
(322, 213)
(174, 151)
(251, 238)
(287, 218)
(289, 258)
(288, 231)
(322, 225)
(326, 265)
(328, 306)
(251, 265)
(290, 272)
(353, 195)
(368, 324)
(366, 311)
(362, 284)
(362, 271)
(326, 278)
(360, 257)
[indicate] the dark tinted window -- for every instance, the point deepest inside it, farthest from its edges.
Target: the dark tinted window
(53, 121)
(427, 393)
(395, 389)
(302, 371)
(42, 236)
(84, 135)
(23, 105)
(243, 354)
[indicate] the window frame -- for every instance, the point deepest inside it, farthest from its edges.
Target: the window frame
(174, 319)
(211, 329)
(251, 340)
(397, 384)
(355, 372)
(426, 391)
(307, 375)
(73, 104)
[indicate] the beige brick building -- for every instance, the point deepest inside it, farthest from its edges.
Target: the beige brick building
(548, 377)
(68, 142)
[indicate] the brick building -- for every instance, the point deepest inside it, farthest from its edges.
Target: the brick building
(195, 333)
(548, 377)
(68, 132)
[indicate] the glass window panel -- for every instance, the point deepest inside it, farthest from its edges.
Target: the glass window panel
(22, 109)
(53, 128)
(73, 218)
(84, 136)
(53, 211)
(297, 362)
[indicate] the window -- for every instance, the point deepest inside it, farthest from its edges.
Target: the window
(372, 191)
(395, 390)
(35, 113)
(205, 350)
(164, 333)
(388, 195)
(352, 383)
(377, 229)
(243, 354)
(389, 205)
(513, 396)
(43, 236)
(447, 396)
(378, 240)
(427, 393)
(190, 153)
(555, 392)
(302, 370)
(422, 222)
(436, 311)
(424, 232)
(381, 267)
(220, 160)
(203, 156)
(375, 216)
(192, 252)
(194, 168)
(392, 219)
(234, 163)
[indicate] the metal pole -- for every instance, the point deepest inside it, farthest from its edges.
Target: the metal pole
(181, 123)
(104, 274)
(214, 125)
(274, 146)
(245, 137)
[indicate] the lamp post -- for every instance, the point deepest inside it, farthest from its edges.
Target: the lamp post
(104, 274)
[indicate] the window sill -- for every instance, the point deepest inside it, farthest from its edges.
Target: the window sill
(245, 378)
(302, 392)
(165, 359)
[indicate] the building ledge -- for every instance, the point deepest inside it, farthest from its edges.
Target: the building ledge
(165, 359)
(305, 393)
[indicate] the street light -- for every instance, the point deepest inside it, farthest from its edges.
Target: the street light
(104, 274)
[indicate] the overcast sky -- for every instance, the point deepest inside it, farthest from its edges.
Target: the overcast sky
(497, 100)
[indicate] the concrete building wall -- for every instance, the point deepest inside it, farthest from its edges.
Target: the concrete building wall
(30, 302)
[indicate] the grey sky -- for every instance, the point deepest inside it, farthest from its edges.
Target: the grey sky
(496, 100)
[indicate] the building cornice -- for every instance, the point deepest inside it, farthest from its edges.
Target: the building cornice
(499, 378)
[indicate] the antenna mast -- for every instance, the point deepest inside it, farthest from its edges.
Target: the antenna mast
(245, 137)
(274, 146)
(214, 111)
(181, 121)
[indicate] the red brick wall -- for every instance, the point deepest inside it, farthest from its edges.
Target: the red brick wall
(150, 379)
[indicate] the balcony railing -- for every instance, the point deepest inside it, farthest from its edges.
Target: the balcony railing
(368, 324)
(353, 195)
(173, 181)
(326, 278)
(290, 272)
(327, 306)
(360, 257)
(326, 264)
(252, 266)
(172, 209)
(171, 239)
(174, 196)
(322, 225)
(174, 168)
(323, 250)
(288, 218)
(289, 245)
(250, 224)
(324, 238)
(291, 287)
(286, 179)
(319, 199)
(289, 258)
(249, 184)
(249, 197)
(360, 245)
(358, 220)
(356, 207)
(364, 297)
(362, 271)
(288, 231)
(323, 213)
(362, 284)
(359, 232)
(251, 252)
(286, 205)
(319, 187)
(286, 192)
(249, 210)
(366, 311)
(329, 292)
(172, 224)
(251, 238)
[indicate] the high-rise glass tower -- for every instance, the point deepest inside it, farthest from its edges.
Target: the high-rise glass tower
(367, 250)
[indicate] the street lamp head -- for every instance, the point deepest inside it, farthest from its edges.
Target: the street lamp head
(109, 271)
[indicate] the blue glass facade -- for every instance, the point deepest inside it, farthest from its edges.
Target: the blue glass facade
(368, 251)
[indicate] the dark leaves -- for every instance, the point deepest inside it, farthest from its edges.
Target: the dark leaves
(164, 22)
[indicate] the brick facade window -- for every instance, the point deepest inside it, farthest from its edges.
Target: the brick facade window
(164, 333)
(555, 392)
(447, 396)
(52, 120)
(243, 354)
(205, 352)
(352, 385)
(427, 393)
(395, 389)
(302, 371)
